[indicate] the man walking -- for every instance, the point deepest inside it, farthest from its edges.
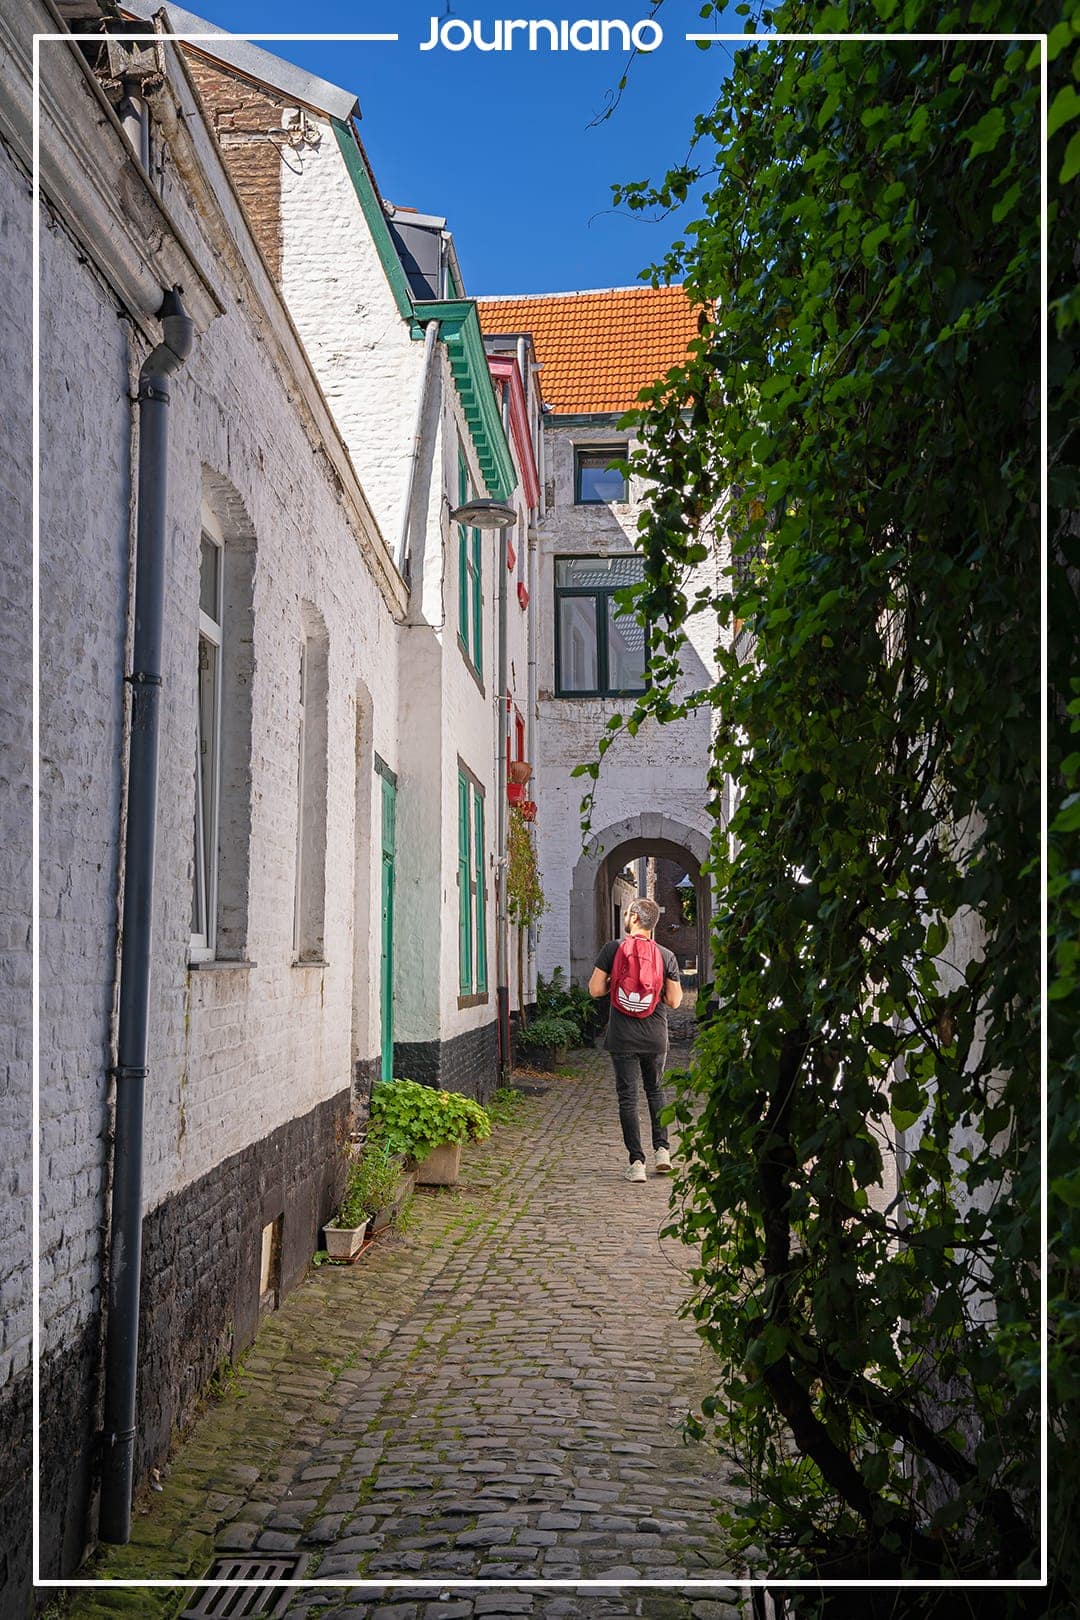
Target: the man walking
(642, 980)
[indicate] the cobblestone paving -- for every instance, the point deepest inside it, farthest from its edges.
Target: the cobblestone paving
(495, 1396)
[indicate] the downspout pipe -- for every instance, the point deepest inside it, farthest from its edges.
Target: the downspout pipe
(502, 732)
(431, 338)
(125, 1244)
(529, 382)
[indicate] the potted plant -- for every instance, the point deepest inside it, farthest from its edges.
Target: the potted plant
(519, 771)
(426, 1125)
(545, 1040)
(372, 1183)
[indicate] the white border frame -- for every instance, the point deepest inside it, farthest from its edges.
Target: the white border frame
(514, 1585)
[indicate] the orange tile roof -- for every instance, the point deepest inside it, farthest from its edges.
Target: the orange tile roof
(598, 349)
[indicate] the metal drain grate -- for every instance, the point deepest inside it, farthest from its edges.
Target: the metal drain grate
(245, 1602)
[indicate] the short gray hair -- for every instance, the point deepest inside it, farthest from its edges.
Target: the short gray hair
(643, 911)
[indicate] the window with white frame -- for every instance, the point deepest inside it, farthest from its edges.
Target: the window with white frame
(309, 907)
(208, 737)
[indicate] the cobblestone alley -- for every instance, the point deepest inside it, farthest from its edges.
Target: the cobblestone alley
(494, 1395)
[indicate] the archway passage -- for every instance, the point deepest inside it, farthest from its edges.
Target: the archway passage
(648, 853)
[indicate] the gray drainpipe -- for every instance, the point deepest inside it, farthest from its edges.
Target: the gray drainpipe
(502, 731)
(431, 337)
(133, 115)
(125, 1244)
(529, 383)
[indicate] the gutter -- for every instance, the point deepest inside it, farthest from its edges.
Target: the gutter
(431, 336)
(502, 732)
(533, 542)
(130, 1071)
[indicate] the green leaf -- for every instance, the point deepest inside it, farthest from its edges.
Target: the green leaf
(985, 135)
(1063, 109)
(1071, 162)
(1005, 204)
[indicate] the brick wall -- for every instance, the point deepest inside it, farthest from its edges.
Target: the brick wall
(242, 1050)
(201, 1255)
(15, 884)
(243, 116)
(662, 769)
(468, 1063)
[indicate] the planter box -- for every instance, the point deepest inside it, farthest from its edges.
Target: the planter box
(384, 1216)
(442, 1166)
(344, 1242)
(547, 1058)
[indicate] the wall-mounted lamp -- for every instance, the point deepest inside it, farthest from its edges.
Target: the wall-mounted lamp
(482, 513)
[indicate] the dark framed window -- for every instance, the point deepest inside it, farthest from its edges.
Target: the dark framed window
(596, 481)
(600, 649)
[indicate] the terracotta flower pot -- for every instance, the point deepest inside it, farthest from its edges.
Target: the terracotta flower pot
(519, 771)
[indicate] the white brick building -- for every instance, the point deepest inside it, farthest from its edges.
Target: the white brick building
(346, 672)
(595, 351)
(318, 673)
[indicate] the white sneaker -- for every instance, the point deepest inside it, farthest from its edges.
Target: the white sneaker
(635, 1172)
(662, 1162)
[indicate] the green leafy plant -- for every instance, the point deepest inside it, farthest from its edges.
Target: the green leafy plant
(413, 1119)
(372, 1180)
(845, 474)
(525, 901)
(549, 1030)
(571, 1002)
(506, 1105)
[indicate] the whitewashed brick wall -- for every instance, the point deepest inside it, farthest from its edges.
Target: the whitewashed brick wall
(662, 769)
(85, 523)
(235, 1051)
(337, 293)
(15, 783)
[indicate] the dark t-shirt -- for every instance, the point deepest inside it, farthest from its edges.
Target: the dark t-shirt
(626, 1034)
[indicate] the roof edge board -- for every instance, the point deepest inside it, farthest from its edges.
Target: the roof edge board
(374, 214)
(250, 59)
(460, 331)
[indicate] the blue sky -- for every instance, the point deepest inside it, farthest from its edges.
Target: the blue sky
(500, 142)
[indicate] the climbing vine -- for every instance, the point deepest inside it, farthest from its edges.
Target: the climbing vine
(861, 1124)
(524, 892)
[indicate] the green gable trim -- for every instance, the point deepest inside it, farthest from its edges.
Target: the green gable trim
(459, 328)
(376, 219)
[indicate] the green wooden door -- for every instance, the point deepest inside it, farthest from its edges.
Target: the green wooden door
(389, 796)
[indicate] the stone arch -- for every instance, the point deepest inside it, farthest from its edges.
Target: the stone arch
(649, 833)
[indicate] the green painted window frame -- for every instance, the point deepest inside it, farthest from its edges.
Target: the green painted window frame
(465, 931)
(470, 580)
(480, 896)
(472, 889)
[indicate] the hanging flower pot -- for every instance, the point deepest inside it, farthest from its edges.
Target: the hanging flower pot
(520, 770)
(515, 792)
(528, 810)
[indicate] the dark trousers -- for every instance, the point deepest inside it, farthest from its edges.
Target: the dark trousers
(629, 1067)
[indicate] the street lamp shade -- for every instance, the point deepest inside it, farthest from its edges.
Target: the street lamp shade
(482, 513)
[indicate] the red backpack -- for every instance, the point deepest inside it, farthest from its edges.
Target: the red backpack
(637, 977)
